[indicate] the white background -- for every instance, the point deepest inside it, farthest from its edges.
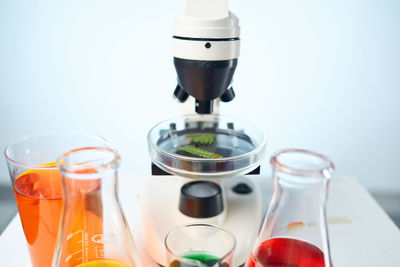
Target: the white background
(322, 75)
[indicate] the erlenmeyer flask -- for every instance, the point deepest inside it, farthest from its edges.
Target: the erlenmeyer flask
(294, 232)
(93, 231)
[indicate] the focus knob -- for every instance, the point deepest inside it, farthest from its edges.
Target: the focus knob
(228, 95)
(180, 94)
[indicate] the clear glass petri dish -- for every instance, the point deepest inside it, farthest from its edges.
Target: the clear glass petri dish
(206, 146)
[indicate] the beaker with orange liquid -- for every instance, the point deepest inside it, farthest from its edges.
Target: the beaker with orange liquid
(94, 231)
(37, 185)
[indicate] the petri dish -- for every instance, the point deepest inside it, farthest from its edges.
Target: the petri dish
(206, 146)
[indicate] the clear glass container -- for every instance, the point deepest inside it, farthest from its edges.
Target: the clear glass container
(200, 245)
(294, 232)
(37, 185)
(94, 231)
(206, 146)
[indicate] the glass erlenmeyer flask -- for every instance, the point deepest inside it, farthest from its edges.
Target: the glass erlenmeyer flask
(294, 232)
(93, 231)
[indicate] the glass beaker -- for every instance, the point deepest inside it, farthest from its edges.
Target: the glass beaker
(200, 245)
(94, 231)
(294, 232)
(37, 186)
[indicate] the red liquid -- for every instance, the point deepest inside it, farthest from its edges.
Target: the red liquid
(286, 252)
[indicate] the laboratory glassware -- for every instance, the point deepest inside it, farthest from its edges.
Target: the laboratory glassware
(294, 232)
(37, 186)
(207, 146)
(200, 245)
(94, 230)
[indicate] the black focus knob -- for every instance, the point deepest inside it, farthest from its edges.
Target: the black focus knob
(201, 199)
(228, 95)
(242, 188)
(180, 94)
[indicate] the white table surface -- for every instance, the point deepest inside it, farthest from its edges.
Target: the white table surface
(369, 239)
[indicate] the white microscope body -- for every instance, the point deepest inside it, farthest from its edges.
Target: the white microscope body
(205, 48)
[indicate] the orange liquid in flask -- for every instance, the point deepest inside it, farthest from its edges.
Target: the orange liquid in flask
(39, 197)
(83, 222)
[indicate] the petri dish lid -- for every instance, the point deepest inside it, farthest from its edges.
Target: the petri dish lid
(206, 146)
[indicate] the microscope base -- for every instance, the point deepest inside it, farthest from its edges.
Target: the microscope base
(242, 215)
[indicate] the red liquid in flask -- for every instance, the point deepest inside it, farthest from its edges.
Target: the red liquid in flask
(286, 252)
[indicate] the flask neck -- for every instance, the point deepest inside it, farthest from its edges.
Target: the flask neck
(104, 183)
(301, 191)
(89, 201)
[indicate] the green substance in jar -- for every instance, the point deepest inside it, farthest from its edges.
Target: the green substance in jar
(201, 259)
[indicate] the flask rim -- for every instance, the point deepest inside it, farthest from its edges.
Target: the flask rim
(325, 169)
(108, 158)
(8, 150)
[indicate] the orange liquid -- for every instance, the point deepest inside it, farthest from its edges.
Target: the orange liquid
(82, 234)
(39, 197)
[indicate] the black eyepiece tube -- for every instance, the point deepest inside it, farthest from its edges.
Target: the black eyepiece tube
(204, 107)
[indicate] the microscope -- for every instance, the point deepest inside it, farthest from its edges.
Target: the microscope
(205, 47)
(204, 164)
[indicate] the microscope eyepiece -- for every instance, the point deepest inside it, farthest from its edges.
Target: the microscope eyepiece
(205, 81)
(206, 47)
